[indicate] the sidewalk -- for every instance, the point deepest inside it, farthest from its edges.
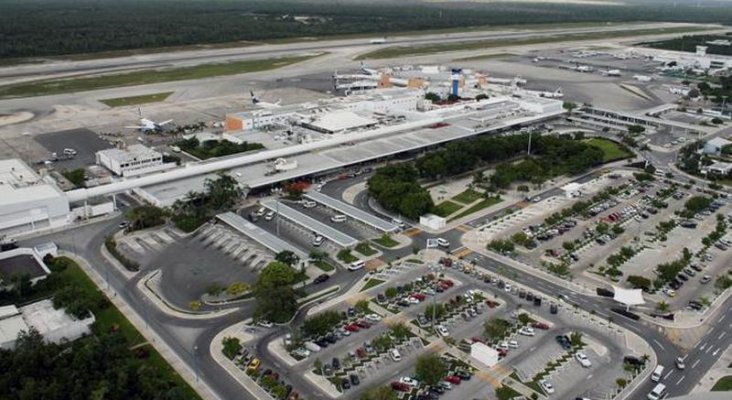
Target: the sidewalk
(150, 335)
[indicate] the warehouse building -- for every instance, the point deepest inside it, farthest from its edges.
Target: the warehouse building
(27, 201)
(132, 160)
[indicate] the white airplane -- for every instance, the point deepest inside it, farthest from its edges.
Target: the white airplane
(258, 102)
(612, 72)
(367, 70)
(147, 125)
(552, 95)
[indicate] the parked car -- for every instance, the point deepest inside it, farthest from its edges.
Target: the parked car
(705, 279)
(547, 386)
(409, 381)
(680, 364)
(354, 380)
(454, 379)
(401, 387)
(321, 278)
(464, 375)
(442, 330)
(526, 331)
(582, 359)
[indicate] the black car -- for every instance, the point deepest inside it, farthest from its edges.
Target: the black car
(351, 312)
(322, 343)
(354, 380)
(529, 296)
(345, 384)
(336, 363)
(537, 301)
(330, 338)
(682, 277)
(437, 389)
(432, 395)
(321, 278)
(696, 268)
(553, 308)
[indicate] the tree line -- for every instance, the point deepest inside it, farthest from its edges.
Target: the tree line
(56, 27)
(396, 187)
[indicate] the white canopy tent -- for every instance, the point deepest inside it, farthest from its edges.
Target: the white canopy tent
(485, 354)
(628, 297)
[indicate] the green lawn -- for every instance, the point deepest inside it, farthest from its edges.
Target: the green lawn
(324, 266)
(365, 249)
(135, 100)
(468, 197)
(371, 283)
(346, 256)
(506, 393)
(723, 385)
(58, 86)
(611, 150)
(447, 208)
(403, 51)
(386, 241)
(483, 204)
(494, 56)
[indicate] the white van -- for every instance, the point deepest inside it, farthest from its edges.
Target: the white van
(338, 218)
(395, 355)
(309, 204)
(658, 392)
(356, 265)
(660, 172)
(657, 374)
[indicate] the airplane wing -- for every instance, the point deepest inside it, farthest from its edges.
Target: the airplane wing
(134, 127)
(165, 122)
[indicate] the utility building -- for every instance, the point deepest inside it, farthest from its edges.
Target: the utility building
(132, 160)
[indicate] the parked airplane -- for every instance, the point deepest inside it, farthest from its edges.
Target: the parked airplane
(552, 95)
(147, 125)
(612, 72)
(258, 102)
(368, 70)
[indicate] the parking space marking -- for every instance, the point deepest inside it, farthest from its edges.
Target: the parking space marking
(695, 363)
(721, 335)
(681, 379)
(669, 373)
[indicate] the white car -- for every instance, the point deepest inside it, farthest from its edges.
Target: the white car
(527, 331)
(507, 288)
(583, 360)
(669, 292)
(269, 216)
(513, 344)
(443, 242)
(413, 300)
(373, 317)
(318, 241)
(547, 386)
(442, 330)
(265, 323)
(409, 381)
(503, 345)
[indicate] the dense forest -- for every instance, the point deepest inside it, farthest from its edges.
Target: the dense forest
(689, 43)
(56, 27)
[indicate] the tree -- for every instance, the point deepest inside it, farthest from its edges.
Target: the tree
(231, 348)
(318, 365)
(317, 256)
(496, 328)
(662, 306)
(237, 288)
(636, 129)
(143, 217)
(400, 331)
(287, 257)
(639, 282)
(75, 176)
(391, 292)
(362, 306)
(430, 369)
(275, 297)
(431, 96)
(380, 393)
(569, 106)
(576, 338)
(481, 96)
(222, 192)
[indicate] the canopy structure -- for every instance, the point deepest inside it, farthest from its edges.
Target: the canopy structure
(485, 354)
(628, 297)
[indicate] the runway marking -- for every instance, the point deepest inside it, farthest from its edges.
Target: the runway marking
(679, 381)
(722, 319)
(702, 346)
(669, 373)
(695, 363)
(659, 344)
(715, 352)
(721, 335)
(708, 348)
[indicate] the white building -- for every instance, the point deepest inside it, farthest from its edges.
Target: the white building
(28, 202)
(718, 168)
(133, 160)
(714, 146)
(54, 325)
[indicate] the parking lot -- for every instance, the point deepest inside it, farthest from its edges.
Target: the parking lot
(85, 142)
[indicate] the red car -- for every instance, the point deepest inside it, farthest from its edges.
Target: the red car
(401, 387)
(352, 328)
(502, 352)
(448, 282)
(419, 296)
(361, 353)
(540, 325)
(363, 324)
(491, 304)
(477, 339)
(455, 380)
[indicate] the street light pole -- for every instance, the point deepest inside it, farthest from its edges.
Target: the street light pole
(528, 150)
(195, 361)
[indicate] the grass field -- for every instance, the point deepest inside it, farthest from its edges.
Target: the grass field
(403, 51)
(611, 151)
(371, 283)
(468, 197)
(365, 249)
(324, 266)
(346, 256)
(386, 241)
(482, 205)
(58, 86)
(495, 56)
(447, 208)
(134, 100)
(723, 385)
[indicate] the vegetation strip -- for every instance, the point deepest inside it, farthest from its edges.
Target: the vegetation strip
(135, 100)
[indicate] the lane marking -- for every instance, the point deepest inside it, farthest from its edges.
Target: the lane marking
(721, 335)
(695, 363)
(659, 344)
(679, 381)
(708, 348)
(702, 346)
(715, 352)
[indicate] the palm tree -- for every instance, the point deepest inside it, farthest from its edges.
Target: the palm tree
(662, 306)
